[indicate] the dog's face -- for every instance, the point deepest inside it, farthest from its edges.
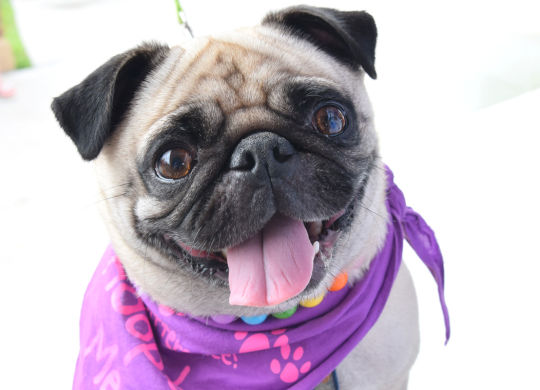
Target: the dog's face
(241, 174)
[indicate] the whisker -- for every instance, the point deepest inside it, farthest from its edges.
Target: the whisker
(110, 197)
(118, 185)
(371, 211)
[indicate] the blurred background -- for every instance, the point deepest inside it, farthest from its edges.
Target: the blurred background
(457, 106)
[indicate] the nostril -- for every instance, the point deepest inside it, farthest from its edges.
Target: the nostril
(278, 156)
(249, 162)
(243, 161)
(282, 152)
(261, 153)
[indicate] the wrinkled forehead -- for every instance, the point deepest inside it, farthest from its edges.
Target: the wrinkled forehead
(234, 77)
(233, 74)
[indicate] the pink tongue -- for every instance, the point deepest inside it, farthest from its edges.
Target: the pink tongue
(271, 267)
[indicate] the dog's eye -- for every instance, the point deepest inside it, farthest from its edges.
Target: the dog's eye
(174, 164)
(330, 120)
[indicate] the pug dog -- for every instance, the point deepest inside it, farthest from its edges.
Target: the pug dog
(242, 174)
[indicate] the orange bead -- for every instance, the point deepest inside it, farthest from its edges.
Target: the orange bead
(339, 282)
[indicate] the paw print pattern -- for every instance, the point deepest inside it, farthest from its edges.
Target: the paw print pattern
(255, 342)
(288, 369)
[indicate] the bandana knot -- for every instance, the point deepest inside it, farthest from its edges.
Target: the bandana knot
(420, 237)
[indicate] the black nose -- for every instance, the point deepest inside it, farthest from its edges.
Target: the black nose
(262, 153)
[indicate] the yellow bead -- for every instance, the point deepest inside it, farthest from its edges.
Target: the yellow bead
(312, 302)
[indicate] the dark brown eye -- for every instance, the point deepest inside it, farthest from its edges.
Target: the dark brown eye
(174, 164)
(330, 120)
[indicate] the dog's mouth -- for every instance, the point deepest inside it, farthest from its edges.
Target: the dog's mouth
(278, 263)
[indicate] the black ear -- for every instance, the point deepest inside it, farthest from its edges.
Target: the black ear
(89, 112)
(348, 36)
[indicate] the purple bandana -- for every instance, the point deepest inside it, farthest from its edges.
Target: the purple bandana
(130, 342)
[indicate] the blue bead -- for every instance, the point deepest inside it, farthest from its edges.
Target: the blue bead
(255, 320)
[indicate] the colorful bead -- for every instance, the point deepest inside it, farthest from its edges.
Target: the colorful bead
(312, 302)
(254, 320)
(224, 319)
(339, 282)
(285, 314)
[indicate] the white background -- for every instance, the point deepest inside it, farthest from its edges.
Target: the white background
(457, 107)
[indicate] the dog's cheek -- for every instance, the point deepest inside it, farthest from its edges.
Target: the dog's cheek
(147, 207)
(366, 234)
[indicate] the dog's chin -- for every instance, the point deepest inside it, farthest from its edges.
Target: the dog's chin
(213, 268)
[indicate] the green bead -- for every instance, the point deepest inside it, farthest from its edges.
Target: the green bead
(285, 314)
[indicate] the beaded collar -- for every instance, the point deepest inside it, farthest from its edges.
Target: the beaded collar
(339, 283)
